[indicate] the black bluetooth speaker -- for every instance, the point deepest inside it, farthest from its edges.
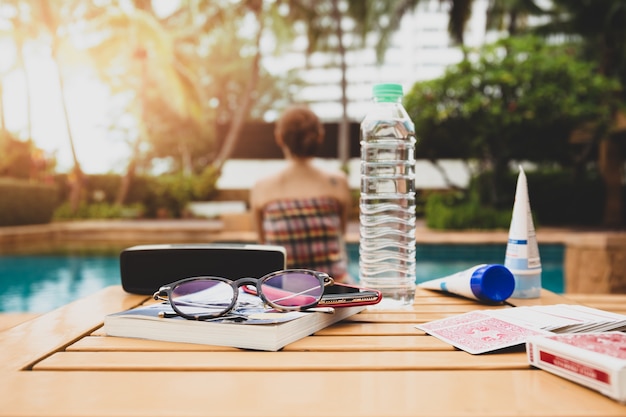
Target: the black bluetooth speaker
(145, 268)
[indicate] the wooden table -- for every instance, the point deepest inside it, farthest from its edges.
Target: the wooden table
(374, 364)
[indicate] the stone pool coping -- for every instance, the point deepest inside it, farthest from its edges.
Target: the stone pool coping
(240, 230)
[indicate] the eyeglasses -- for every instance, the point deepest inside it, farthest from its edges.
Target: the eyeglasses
(204, 298)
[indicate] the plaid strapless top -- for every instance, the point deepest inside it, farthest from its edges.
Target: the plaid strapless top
(310, 231)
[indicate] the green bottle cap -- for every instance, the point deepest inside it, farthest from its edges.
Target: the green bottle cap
(387, 92)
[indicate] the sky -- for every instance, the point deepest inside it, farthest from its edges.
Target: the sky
(87, 107)
(88, 103)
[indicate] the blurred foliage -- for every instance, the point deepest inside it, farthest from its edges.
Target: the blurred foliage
(600, 25)
(555, 198)
(168, 195)
(517, 99)
(26, 202)
(205, 185)
(98, 211)
(149, 197)
(22, 159)
(455, 210)
(15, 157)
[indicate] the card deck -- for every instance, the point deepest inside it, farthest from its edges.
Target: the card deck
(488, 330)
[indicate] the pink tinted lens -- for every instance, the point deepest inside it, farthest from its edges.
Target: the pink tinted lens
(293, 289)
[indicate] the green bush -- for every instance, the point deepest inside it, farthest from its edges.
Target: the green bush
(98, 211)
(147, 197)
(456, 211)
(205, 185)
(518, 99)
(25, 202)
(169, 193)
(102, 188)
(557, 198)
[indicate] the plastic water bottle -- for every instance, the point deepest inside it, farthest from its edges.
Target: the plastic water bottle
(387, 204)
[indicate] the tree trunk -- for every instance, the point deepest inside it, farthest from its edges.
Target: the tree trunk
(19, 46)
(244, 106)
(140, 54)
(343, 140)
(610, 164)
(77, 176)
(2, 118)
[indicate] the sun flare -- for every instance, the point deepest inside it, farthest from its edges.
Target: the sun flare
(87, 101)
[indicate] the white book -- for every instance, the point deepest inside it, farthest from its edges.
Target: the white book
(596, 360)
(259, 330)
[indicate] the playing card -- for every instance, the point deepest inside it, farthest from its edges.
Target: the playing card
(488, 330)
(459, 319)
(478, 333)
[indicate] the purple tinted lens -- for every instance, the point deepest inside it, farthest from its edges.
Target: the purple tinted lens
(202, 297)
(293, 289)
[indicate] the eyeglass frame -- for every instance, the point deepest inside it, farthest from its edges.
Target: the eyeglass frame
(164, 292)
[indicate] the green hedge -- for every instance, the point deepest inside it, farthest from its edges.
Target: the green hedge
(164, 195)
(23, 202)
(557, 198)
(455, 211)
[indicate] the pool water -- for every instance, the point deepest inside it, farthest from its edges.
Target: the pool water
(439, 260)
(42, 282)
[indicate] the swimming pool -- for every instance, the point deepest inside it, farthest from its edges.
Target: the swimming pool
(42, 282)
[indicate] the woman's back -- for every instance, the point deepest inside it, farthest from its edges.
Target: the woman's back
(310, 229)
(303, 207)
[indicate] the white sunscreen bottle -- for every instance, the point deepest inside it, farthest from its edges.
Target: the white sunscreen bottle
(491, 283)
(522, 251)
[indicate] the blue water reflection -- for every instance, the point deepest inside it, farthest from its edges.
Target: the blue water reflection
(40, 283)
(439, 260)
(34, 283)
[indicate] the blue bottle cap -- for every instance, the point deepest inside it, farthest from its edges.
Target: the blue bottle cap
(493, 283)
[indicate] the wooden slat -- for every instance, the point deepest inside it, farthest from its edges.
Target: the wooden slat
(346, 328)
(124, 344)
(615, 303)
(413, 317)
(546, 298)
(25, 343)
(275, 361)
(8, 320)
(261, 394)
(420, 311)
(313, 343)
(399, 372)
(369, 343)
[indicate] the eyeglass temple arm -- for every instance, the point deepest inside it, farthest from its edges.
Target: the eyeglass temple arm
(161, 294)
(328, 280)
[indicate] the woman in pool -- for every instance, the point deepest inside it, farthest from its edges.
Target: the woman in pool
(303, 207)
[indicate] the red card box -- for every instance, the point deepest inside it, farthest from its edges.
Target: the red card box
(596, 360)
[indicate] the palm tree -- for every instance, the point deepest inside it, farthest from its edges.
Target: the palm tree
(325, 19)
(56, 25)
(602, 27)
(245, 102)
(137, 54)
(502, 15)
(19, 33)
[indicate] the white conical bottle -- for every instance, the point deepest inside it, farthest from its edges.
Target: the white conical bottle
(522, 251)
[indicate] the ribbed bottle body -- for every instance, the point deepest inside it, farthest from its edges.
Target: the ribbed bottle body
(387, 204)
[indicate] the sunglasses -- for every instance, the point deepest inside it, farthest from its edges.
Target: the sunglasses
(204, 298)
